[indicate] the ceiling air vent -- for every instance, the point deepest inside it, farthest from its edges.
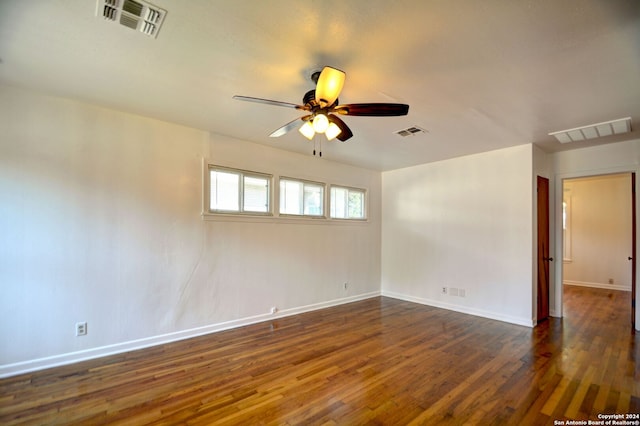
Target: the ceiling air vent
(410, 131)
(135, 14)
(592, 131)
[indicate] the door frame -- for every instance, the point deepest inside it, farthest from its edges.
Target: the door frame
(556, 293)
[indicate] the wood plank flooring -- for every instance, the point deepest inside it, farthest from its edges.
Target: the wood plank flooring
(378, 361)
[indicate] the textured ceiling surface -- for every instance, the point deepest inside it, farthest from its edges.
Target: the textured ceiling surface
(478, 75)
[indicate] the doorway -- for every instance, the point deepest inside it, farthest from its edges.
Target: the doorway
(598, 235)
(542, 310)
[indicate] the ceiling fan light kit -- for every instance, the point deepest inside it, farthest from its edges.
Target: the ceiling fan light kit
(323, 108)
(320, 124)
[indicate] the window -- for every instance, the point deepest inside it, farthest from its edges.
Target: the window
(230, 193)
(301, 198)
(238, 191)
(347, 203)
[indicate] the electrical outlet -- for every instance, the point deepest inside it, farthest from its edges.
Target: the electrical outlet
(444, 290)
(81, 329)
(610, 280)
(274, 310)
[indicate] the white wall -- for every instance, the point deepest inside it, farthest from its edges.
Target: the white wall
(465, 223)
(619, 157)
(100, 221)
(599, 219)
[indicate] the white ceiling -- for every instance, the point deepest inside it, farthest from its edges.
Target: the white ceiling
(478, 75)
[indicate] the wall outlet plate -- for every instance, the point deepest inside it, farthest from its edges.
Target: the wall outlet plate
(81, 329)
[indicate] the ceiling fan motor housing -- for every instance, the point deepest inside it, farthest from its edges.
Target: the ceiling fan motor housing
(309, 97)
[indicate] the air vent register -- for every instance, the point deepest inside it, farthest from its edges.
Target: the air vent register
(135, 14)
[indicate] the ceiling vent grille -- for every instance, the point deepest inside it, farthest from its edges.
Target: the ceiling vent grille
(410, 131)
(592, 131)
(135, 14)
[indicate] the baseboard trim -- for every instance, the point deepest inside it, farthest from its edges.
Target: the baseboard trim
(9, 370)
(597, 285)
(462, 309)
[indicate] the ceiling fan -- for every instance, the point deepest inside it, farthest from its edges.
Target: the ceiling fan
(323, 108)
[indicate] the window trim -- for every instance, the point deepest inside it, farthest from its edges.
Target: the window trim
(273, 216)
(365, 206)
(207, 211)
(323, 185)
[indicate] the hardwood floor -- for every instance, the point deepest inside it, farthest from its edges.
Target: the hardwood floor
(378, 361)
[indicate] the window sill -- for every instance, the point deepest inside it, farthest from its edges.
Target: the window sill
(288, 219)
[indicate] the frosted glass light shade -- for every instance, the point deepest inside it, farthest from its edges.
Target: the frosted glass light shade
(332, 131)
(307, 130)
(320, 123)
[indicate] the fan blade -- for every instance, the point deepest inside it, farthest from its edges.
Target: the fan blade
(288, 127)
(345, 131)
(329, 86)
(270, 102)
(373, 109)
